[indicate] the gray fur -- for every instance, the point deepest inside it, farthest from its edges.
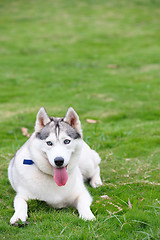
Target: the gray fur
(44, 133)
(71, 131)
(57, 125)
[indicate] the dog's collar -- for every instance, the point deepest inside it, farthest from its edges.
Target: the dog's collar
(28, 162)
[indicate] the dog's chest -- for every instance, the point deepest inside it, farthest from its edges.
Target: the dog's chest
(44, 188)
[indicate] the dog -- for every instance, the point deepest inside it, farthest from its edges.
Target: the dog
(53, 165)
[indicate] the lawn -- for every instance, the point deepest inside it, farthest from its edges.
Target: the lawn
(102, 58)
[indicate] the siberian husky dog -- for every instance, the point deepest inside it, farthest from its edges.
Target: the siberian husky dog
(53, 165)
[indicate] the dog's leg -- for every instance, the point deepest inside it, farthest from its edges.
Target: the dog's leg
(20, 206)
(83, 206)
(96, 179)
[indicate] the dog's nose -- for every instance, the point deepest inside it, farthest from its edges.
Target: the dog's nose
(59, 161)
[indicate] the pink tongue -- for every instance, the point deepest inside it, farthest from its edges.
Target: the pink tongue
(60, 176)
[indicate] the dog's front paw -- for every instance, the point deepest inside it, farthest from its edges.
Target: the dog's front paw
(18, 220)
(87, 216)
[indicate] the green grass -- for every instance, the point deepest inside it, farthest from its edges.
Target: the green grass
(102, 58)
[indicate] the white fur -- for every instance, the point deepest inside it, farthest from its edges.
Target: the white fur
(36, 181)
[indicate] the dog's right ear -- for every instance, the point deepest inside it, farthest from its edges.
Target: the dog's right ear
(42, 119)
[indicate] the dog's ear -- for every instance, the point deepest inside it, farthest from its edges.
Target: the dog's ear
(42, 119)
(73, 120)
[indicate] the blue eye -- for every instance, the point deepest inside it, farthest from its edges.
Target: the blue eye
(67, 141)
(49, 143)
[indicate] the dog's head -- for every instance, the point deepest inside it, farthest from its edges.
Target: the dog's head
(60, 141)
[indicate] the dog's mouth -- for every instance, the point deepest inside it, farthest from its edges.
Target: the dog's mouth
(60, 176)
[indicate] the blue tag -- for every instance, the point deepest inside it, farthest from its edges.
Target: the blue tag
(28, 162)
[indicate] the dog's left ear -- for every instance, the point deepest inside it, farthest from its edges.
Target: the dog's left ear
(73, 120)
(42, 119)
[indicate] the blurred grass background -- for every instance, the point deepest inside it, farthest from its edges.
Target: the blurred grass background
(103, 59)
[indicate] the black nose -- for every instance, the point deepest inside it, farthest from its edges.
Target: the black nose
(59, 161)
